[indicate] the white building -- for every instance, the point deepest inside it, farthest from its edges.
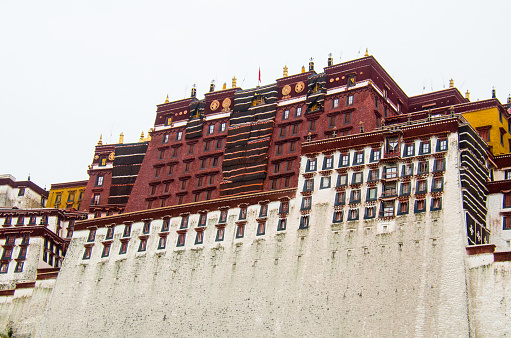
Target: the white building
(21, 194)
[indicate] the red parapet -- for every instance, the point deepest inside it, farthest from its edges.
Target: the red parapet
(502, 256)
(480, 249)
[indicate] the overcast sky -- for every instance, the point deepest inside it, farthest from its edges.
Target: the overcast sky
(72, 70)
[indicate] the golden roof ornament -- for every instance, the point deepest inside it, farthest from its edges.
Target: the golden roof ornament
(100, 142)
(303, 69)
(285, 70)
(224, 86)
(141, 137)
(234, 82)
(167, 99)
(451, 83)
(467, 95)
(367, 52)
(121, 138)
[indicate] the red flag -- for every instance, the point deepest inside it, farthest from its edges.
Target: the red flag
(259, 74)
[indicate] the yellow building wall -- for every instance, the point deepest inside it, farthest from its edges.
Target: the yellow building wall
(490, 117)
(69, 197)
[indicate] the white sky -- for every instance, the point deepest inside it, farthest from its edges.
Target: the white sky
(72, 70)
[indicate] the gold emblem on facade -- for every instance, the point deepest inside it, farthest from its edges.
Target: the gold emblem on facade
(96, 157)
(286, 90)
(214, 105)
(299, 87)
(226, 103)
(111, 156)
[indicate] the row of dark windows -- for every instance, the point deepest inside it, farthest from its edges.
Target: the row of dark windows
(340, 199)
(202, 181)
(263, 212)
(359, 156)
(203, 195)
(8, 249)
(4, 266)
(51, 253)
(210, 130)
(205, 163)
(342, 180)
(32, 220)
(387, 209)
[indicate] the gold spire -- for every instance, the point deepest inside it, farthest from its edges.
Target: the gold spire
(149, 134)
(121, 138)
(225, 86)
(367, 52)
(167, 99)
(467, 95)
(303, 69)
(234, 82)
(141, 137)
(100, 142)
(285, 70)
(451, 83)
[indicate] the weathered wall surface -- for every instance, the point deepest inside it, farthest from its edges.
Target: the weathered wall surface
(490, 296)
(328, 280)
(23, 311)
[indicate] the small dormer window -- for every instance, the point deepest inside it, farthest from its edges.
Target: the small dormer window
(258, 100)
(351, 80)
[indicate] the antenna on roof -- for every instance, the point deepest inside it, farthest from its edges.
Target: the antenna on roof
(186, 90)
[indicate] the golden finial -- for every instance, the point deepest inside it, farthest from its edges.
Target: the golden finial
(285, 70)
(167, 99)
(141, 137)
(303, 69)
(234, 82)
(121, 138)
(451, 83)
(149, 134)
(224, 86)
(100, 142)
(367, 52)
(467, 95)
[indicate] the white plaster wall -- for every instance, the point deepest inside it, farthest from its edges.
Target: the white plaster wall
(30, 199)
(490, 298)
(9, 198)
(343, 279)
(23, 311)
